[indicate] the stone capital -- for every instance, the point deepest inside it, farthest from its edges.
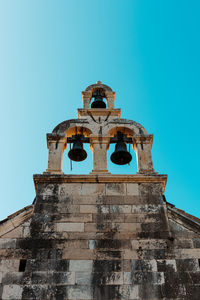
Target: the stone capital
(98, 139)
(110, 94)
(86, 94)
(53, 138)
(143, 139)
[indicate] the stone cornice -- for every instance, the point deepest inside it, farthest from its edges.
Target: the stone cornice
(99, 112)
(101, 178)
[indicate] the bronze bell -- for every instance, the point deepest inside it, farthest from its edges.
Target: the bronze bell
(121, 156)
(77, 153)
(98, 99)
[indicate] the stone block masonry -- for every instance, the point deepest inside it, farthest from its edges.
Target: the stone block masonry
(103, 241)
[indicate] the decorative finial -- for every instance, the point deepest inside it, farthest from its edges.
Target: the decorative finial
(99, 82)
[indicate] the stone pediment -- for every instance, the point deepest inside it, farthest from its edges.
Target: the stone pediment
(14, 224)
(183, 220)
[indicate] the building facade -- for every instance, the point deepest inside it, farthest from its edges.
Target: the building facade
(100, 236)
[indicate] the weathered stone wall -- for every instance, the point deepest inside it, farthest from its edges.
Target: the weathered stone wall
(100, 241)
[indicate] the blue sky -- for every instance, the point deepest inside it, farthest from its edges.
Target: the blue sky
(147, 51)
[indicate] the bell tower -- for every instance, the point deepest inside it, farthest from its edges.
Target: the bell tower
(99, 124)
(100, 236)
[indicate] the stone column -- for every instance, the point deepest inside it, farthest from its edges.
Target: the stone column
(99, 146)
(142, 146)
(86, 98)
(56, 145)
(110, 96)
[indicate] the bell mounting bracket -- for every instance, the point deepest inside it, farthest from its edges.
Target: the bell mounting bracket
(121, 137)
(81, 137)
(113, 140)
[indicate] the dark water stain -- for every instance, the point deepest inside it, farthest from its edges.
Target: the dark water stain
(108, 249)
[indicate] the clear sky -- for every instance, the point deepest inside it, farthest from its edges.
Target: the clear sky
(147, 51)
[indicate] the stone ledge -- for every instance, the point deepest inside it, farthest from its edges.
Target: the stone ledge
(101, 178)
(82, 112)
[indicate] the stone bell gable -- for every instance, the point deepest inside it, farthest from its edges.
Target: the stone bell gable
(99, 235)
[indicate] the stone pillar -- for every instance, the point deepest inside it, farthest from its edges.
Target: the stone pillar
(99, 146)
(110, 96)
(86, 98)
(56, 145)
(142, 147)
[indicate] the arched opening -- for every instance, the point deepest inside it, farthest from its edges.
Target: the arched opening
(77, 158)
(98, 96)
(73, 167)
(121, 150)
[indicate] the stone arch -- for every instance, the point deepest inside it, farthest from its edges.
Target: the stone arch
(72, 130)
(129, 127)
(142, 142)
(57, 143)
(87, 95)
(69, 126)
(127, 131)
(90, 88)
